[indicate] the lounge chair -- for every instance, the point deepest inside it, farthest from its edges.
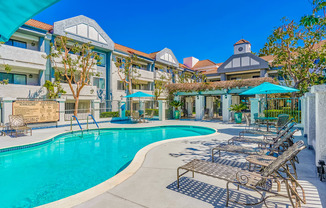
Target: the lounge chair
(150, 117)
(282, 119)
(283, 142)
(266, 140)
(17, 124)
(257, 131)
(259, 182)
(135, 117)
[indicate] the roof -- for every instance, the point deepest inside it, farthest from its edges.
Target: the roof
(268, 58)
(183, 66)
(320, 44)
(128, 50)
(241, 42)
(38, 24)
(204, 63)
(153, 55)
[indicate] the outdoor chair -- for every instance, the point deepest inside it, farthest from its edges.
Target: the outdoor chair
(282, 119)
(266, 140)
(282, 142)
(257, 131)
(259, 182)
(135, 117)
(150, 116)
(17, 124)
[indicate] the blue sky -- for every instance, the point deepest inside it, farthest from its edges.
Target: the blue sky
(205, 29)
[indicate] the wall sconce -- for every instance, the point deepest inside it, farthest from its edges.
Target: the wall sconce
(33, 43)
(226, 96)
(197, 96)
(30, 75)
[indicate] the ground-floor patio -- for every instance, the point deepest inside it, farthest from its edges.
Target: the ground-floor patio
(154, 183)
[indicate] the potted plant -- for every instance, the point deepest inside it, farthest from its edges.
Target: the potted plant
(176, 105)
(238, 108)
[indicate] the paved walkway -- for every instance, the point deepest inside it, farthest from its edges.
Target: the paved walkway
(154, 184)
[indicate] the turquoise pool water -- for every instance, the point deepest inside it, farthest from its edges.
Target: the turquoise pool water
(71, 163)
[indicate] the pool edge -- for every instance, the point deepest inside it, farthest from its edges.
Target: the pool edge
(130, 170)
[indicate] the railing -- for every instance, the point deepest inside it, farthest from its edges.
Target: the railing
(93, 120)
(77, 123)
(276, 106)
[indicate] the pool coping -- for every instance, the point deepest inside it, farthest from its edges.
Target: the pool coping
(105, 186)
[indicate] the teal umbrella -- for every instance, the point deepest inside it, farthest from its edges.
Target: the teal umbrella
(139, 95)
(269, 88)
(14, 13)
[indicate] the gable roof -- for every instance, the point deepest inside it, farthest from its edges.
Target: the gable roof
(38, 24)
(153, 55)
(126, 49)
(253, 62)
(241, 41)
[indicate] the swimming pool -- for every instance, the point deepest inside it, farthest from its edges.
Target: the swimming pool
(70, 163)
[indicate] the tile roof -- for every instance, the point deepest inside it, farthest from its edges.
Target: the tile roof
(318, 45)
(128, 50)
(204, 63)
(153, 55)
(242, 41)
(183, 66)
(38, 24)
(268, 58)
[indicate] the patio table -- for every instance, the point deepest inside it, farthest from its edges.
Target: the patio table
(266, 119)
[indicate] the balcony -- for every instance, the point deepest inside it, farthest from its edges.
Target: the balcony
(74, 57)
(87, 93)
(22, 91)
(22, 58)
(166, 75)
(145, 75)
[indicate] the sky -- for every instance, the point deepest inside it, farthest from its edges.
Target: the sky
(205, 29)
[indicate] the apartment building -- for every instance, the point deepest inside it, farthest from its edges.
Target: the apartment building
(25, 52)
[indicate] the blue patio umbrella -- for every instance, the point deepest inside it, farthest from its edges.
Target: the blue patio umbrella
(14, 13)
(268, 88)
(139, 95)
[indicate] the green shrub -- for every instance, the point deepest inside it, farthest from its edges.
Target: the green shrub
(127, 113)
(109, 114)
(292, 113)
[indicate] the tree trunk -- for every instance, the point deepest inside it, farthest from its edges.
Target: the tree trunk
(76, 106)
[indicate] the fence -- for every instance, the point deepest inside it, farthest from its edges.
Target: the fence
(277, 106)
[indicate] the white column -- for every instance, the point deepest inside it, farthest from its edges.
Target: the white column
(210, 106)
(62, 110)
(96, 109)
(226, 104)
(304, 114)
(6, 109)
(320, 149)
(311, 118)
(200, 107)
(254, 108)
(161, 111)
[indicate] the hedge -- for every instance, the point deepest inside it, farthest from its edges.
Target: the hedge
(292, 113)
(109, 114)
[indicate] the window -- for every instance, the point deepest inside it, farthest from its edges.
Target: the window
(102, 61)
(120, 86)
(14, 78)
(99, 82)
(17, 43)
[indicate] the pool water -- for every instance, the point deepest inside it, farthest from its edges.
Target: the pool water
(71, 163)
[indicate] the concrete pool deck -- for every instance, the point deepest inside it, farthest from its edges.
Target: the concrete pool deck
(154, 183)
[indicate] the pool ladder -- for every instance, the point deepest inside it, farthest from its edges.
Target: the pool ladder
(77, 123)
(90, 115)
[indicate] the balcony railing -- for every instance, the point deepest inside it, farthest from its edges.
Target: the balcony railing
(22, 58)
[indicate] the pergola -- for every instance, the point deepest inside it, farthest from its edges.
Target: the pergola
(225, 88)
